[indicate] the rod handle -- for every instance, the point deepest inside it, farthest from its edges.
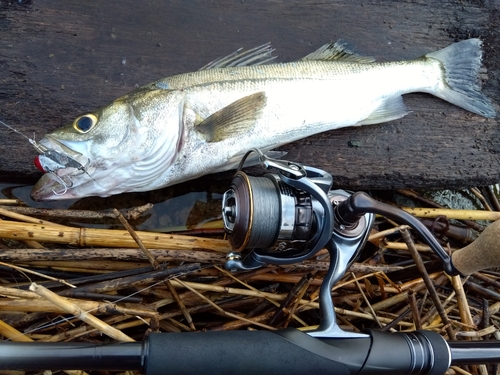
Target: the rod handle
(483, 253)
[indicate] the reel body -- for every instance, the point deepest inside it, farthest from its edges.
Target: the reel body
(296, 205)
(292, 205)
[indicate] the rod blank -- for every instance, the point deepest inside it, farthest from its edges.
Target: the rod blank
(70, 356)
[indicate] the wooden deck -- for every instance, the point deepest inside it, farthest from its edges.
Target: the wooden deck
(61, 58)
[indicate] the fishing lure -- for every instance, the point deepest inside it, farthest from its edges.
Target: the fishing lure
(51, 160)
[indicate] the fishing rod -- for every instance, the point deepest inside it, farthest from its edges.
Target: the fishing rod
(294, 204)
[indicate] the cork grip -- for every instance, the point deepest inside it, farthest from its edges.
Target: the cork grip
(483, 253)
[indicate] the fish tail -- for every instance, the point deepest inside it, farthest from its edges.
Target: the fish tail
(461, 63)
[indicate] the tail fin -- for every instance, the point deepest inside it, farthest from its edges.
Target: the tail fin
(461, 62)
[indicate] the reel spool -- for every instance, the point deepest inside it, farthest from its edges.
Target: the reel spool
(259, 211)
(290, 205)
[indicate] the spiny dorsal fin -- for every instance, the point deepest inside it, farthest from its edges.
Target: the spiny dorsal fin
(255, 56)
(337, 51)
(234, 119)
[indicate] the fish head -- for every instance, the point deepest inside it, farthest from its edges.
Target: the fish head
(120, 147)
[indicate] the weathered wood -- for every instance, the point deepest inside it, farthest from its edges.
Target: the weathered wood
(59, 59)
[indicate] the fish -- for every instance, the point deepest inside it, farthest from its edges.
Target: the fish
(188, 125)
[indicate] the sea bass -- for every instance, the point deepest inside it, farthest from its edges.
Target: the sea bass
(192, 124)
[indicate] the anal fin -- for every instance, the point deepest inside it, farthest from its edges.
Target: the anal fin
(391, 109)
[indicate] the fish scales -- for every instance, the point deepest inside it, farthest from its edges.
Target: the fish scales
(181, 127)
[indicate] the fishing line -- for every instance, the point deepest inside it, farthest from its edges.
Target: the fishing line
(63, 319)
(43, 151)
(31, 140)
(55, 156)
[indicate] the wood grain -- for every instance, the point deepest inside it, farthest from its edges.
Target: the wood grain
(59, 59)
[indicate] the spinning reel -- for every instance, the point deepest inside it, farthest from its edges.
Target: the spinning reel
(294, 205)
(281, 218)
(288, 216)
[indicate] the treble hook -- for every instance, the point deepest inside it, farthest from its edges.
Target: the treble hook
(62, 182)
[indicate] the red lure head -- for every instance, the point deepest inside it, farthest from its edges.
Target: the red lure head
(38, 164)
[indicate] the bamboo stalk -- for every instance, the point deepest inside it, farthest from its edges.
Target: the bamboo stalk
(490, 192)
(477, 334)
(136, 238)
(276, 297)
(139, 280)
(30, 243)
(300, 294)
(25, 270)
(7, 201)
(430, 203)
(41, 305)
(221, 310)
(83, 329)
(181, 305)
(17, 216)
(463, 305)
(73, 309)
(366, 300)
(293, 295)
(179, 325)
(107, 237)
(35, 256)
(238, 323)
(387, 232)
(18, 293)
(427, 280)
(88, 266)
(481, 198)
(453, 214)
(254, 289)
(115, 254)
(12, 334)
(403, 246)
(460, 370)
(416, 285)
(492, 310)
(133, 213)
(283, 278)
(412, 301)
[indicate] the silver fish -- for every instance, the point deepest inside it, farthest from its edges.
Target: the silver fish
(192, 124)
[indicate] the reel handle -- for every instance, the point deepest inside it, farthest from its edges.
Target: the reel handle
(483, 253)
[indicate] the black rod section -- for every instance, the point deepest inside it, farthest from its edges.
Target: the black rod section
(474, 352)
(71, 356)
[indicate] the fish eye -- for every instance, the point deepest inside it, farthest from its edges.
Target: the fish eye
(84, 123)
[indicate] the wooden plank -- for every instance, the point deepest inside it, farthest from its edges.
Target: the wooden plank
(59, 59)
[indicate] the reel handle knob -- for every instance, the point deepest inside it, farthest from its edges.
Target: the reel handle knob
(483, 253)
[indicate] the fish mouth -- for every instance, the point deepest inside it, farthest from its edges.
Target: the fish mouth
(61, 165)
(52, 187)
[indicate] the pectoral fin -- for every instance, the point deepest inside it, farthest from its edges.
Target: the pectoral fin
(391, 109)
(234, 119)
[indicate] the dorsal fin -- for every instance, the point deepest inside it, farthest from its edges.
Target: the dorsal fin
(255, 56)
(338, 51)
